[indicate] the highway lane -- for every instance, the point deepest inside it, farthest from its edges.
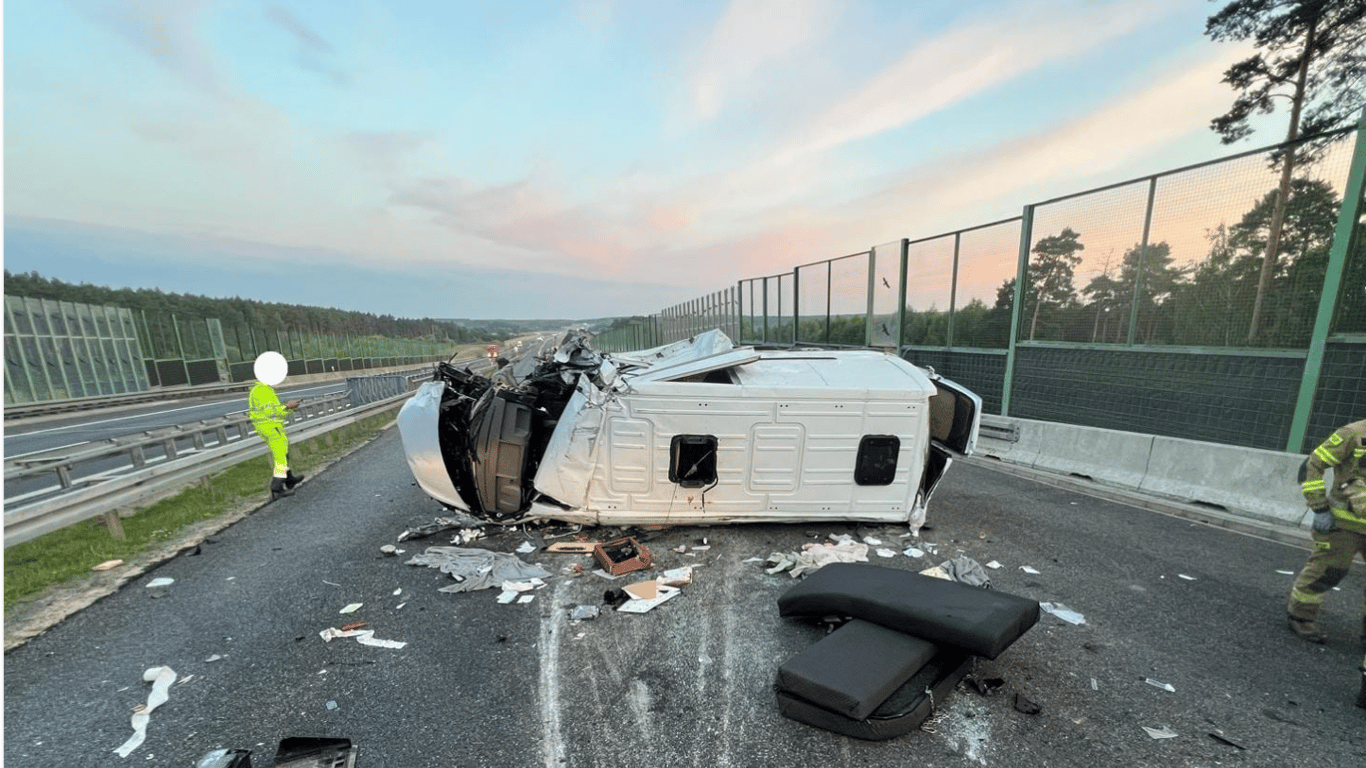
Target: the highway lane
(689, 683)
(78, 429)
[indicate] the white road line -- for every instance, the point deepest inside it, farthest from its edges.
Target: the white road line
(551, 626)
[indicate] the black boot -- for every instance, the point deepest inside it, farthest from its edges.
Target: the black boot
(292, 479)
(278, 489)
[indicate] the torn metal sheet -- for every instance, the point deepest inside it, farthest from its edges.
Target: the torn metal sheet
(161, 679)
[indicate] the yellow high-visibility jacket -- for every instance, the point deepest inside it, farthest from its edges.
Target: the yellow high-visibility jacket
(265, 409)
(1344, 452)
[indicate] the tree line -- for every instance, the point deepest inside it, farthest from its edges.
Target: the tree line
(249, 313)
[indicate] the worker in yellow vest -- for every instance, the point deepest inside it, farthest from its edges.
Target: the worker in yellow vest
(269, 416)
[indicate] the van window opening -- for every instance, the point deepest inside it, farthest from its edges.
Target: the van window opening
(692, 460)
(876, 463)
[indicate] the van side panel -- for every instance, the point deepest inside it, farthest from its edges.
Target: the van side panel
(630, 450)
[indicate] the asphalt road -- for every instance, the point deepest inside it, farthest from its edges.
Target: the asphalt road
(688, 684)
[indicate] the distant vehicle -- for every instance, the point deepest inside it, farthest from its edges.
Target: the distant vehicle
(491, 351)
(699, 431)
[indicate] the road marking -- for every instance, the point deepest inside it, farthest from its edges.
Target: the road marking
(550, 682)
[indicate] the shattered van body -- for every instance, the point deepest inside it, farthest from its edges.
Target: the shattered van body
(697, 432)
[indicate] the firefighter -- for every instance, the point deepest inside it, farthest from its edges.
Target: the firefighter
(269, 415)
(1339, 525)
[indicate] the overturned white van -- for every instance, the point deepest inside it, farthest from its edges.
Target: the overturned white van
(699, 431)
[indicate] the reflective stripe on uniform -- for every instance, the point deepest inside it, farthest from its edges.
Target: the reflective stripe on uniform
(1314, 485)
(1309, 598)
(1326, 456)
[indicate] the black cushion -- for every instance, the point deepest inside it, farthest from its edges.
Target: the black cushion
(981, 621)
(854, 669)
(901, 713)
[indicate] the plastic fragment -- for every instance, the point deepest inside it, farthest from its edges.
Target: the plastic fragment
(526, 548)
(1286, 573)
(213, 658)
(161, 679)
(1094, 685)
(524, 599)
(164, 581)
(106, 565)
(883, 552)
(1187, 578)
(507, 596)
(913, 552)
(1159, 684)
(1160, 733)
(1030, 569)
(993, 565)
(351, 608)
(872, 541)
(389, 550)
(584, 612)
(1063, 612)
(331, 705)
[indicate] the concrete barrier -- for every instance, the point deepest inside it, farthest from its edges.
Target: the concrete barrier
(1246, 482)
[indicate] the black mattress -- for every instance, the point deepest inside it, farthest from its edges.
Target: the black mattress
(854, 669)
(983, 622)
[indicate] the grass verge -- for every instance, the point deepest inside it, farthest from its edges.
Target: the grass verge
(66, 555)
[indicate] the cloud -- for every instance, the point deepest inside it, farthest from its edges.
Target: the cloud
(967, 60)
(750, 35)
(315, 54)
(382, 152)
(167, 32)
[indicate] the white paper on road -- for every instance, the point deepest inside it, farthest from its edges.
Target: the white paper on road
(1030, 569)
(363, 636)
(161, 679)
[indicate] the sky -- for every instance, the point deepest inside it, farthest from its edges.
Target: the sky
(568, 158)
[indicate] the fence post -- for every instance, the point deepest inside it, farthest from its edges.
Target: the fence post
(1016, 309)
(1332, 286)
(1142, 263)
(953, 291)
(901, 296)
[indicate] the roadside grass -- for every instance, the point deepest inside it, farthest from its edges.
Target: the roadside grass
(70, 552)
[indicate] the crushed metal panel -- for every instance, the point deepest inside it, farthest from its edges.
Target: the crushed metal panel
(501, 437)
(419, 424)
(673, 370)
(570, 454)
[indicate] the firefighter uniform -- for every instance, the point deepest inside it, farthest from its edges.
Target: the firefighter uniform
(1344, 452)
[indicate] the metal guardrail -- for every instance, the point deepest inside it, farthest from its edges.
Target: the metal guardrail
(76, 405)
(999, 428)
(218, 444)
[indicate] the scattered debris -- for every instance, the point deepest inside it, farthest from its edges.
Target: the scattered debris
(506, 597)
(883, 552)
(225, 758)
(1094, 685)
(622, 556)
(1219, 737)
(571, 547)
(437, 526)
(636, 605)
(331, 705)
(987, 686)
(1187, 578)
(164, 581)
(106, 565)
(965, 570)
(213, 658)
(605, 574)
(524, 599)
(1158, 684)
(389, 550)
(584, 612)
(351, 608)
(526, 548)
(1030, 570)
(363, 636)
(914, 552)
(1026, 706)
(475, 569)
(937, 572)
(161, 679)
(993, 565)
(872, 541)
(398, 591)
(813, 556)
(1286, 573)
(522, 586)
(1063, 612)
(614, 597)
(677, 577)
(309, 752)
(1160, 733)
(702, 548)
(643, 590)
(353, 625)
